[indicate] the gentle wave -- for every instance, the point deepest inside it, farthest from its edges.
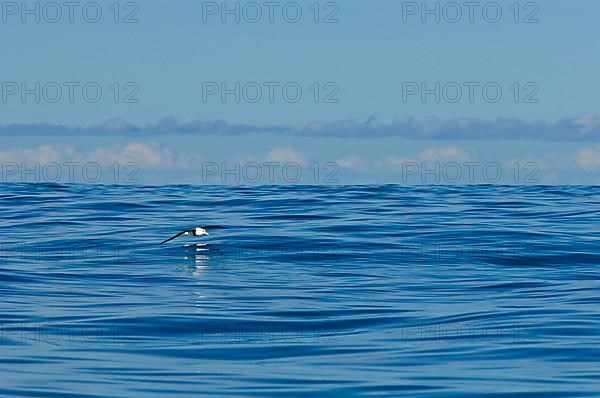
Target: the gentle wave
(343, 291)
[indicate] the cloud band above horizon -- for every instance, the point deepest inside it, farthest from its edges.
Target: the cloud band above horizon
(583, 128)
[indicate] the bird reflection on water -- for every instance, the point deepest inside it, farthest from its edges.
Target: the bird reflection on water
(196, 257)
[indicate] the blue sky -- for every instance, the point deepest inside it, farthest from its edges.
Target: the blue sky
(363, 68)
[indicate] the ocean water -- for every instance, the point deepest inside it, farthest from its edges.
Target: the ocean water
(311, 291)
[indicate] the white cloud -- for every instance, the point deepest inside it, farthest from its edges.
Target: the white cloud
(447, 153)
(286, 155)
(45, 153)
(434, 154)
(351, 162)
(144, 155)
(588, 123)
(589, 159)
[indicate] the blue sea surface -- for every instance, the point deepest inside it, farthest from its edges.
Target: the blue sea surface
(311, 291)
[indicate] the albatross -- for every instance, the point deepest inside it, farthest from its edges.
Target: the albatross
(198, 231)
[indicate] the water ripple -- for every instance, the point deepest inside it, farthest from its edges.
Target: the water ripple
(485, 291)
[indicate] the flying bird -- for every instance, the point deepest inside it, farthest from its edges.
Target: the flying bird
(198, 231)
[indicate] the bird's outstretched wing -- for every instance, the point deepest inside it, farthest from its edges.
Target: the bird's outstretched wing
(174, 237)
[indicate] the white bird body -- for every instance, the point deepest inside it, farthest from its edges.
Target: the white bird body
(198, 231)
